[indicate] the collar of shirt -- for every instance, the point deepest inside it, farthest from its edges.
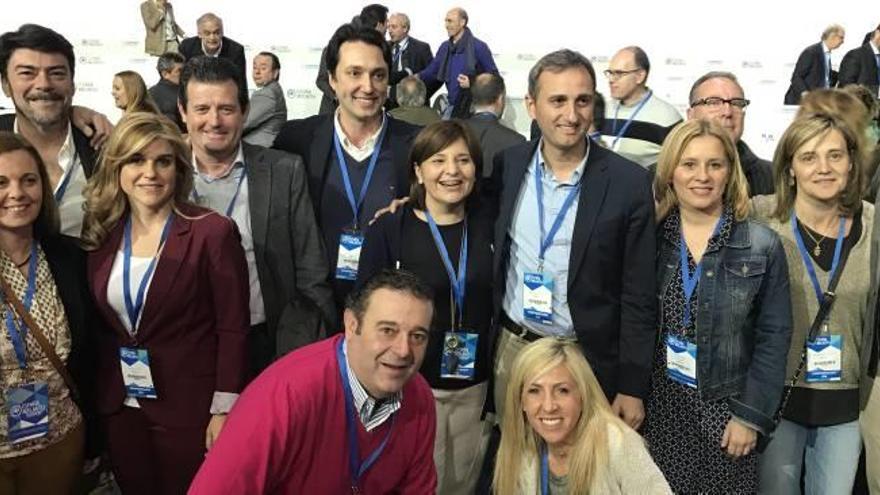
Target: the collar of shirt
(403, 43)
(371, 412)
(547, 173)
(238, 161)
(825, 49)
(874, 48)
(67, 152)
(364, 151)
(215, 55)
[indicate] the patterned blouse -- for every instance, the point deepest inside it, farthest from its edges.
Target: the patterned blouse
(48, 312)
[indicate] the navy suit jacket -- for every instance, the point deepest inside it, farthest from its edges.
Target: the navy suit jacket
(860, 67)
(416, 57)
(194, 324)
(611, 281)
(808, 73)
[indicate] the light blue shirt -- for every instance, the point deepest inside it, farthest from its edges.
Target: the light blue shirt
(525, 233)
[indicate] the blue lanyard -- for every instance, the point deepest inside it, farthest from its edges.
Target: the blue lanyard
(231, 206)
(16, 333)
(356, 203)
(629, 121)
(545, 472)
(458, 284)
(134, 308)
(65, 181)
(355, 467)
(805, 256)
(547, 240)
(689, 281)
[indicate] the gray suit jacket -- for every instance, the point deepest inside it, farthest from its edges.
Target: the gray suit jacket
(267, 112)
(291, 264)
(493, 137)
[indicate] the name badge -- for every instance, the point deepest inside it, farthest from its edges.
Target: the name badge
(538, 298)
(681, 361)
(136, 373)
(824, 359)
(349, 256)
(27, 411)
(459, 355)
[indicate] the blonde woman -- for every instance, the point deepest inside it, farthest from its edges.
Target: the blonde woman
(130, 93)
(170, 280)
(825, 228)
(566, 439)
(725, 318)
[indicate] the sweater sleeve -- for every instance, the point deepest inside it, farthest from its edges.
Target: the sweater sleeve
(631, 468)
(421, 476)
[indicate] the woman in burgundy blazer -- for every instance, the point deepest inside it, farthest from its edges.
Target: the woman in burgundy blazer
(186, 308)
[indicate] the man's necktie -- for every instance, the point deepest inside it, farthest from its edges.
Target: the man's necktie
(827, 69)
(395, 55)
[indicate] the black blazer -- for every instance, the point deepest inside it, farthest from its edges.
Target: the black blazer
(860, 67)
(67, 262)
(416, 57)
(165, 95)
(312, 139)
(808, 73)
(611, 278)
(493, 137)
(230, 50)
(87, 156)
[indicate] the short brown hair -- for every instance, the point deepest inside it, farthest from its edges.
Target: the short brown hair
(803, 129)
(48, 221)
(434, 139)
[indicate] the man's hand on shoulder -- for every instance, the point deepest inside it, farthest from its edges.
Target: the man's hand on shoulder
(94, 125)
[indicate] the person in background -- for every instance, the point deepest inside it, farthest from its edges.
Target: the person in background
(565, 439)
(488, 95)
(725, 318)
(825, 228)
(211, 42)
(860, 65)
(48, 411)
(813, 68)
(411, 96)
(267, 111)
(408, 56)
(161, 27)
(170, 281)
(444, 236)
(130, 93)
(165, 92)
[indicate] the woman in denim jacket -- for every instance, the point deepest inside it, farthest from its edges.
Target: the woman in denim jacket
(725, 318)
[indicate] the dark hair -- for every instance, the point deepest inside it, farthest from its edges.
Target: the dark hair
(373, 14)
(276, 64)
(397, 280)
(640, 58)
(47, 221)
(486, 89)
(167, 61)
(435, 138)
(598, 111)
(350, 32)
(34, 37)
(556, 62)
(715, 74)
(212, 70)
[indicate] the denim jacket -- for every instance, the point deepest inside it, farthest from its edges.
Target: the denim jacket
(743, 320)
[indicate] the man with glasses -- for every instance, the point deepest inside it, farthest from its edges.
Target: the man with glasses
(813, 68)
(637, 121)
(718, 96)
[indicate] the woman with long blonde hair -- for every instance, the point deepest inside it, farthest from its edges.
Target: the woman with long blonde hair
(130, 93)
(566, 439)
(170, 280)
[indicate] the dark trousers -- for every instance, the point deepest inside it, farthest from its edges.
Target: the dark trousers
(261, 350)
(151, 459)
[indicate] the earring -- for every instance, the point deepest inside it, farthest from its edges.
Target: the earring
(791, 181)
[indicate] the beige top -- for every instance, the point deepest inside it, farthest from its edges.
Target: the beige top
(847, 316)
(48, 312)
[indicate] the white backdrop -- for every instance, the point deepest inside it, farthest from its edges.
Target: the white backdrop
(757, 40)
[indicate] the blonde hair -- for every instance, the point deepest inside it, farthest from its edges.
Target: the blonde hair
(736, 192)
(800, 131)
(589, 455)
(106, 203)
(139, 100)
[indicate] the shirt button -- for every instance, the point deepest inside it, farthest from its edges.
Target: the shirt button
(710, 273)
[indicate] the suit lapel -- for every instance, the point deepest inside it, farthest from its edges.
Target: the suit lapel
(165, 274)
(399, 157)
(514, 179)
(594, 186)
(259, 181)
(319, 153)
(102, 266)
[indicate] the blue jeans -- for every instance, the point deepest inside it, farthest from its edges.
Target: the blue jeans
(831, 455)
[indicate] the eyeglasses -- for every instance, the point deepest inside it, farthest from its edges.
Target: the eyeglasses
(715, 102)
(617, 74)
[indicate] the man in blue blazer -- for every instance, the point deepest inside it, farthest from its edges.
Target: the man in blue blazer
(574, 241)
(813, 67)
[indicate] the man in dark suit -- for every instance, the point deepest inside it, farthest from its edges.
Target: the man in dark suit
(408, 56)
(37, 68)
(264, 192)
(574, 242)
(862, 65)
(165, 91)
(813, 67)
(211, 42)
(488, 93)
(355, 158)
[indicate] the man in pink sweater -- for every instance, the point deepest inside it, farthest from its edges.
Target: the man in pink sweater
(348, 414)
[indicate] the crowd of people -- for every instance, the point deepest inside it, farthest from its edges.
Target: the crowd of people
(387, 297)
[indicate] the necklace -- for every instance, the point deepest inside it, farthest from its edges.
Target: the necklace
(25, 262)
(817, 249)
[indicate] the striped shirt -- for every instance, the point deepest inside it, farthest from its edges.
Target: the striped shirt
(371, 411)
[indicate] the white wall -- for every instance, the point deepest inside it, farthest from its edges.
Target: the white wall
(757, 40)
